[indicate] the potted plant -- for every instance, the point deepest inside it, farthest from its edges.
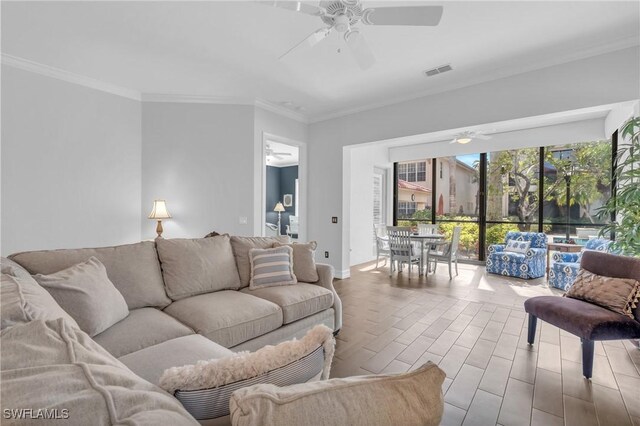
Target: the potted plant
(624, 209)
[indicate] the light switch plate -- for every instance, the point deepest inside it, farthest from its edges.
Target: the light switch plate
(242, 220)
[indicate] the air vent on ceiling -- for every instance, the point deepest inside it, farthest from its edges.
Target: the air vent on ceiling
(438, 70)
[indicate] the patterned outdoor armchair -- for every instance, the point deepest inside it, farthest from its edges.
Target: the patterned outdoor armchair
(527, 265)
(565, 266)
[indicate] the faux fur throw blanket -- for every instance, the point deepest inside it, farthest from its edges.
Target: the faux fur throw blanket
(244, 365)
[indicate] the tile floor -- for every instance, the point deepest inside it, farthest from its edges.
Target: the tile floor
(474, 327)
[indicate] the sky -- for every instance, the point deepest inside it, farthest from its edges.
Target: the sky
(468, 159)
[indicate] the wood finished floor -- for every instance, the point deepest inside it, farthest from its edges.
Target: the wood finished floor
(474, 327)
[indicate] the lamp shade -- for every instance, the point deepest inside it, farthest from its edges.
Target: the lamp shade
(279, 207)
(159, 210)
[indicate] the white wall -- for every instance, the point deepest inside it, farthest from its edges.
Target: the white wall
(579, 84)
(70, 165)
(200, 158)
(363, 161)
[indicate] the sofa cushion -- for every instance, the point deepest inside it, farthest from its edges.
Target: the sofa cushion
(271, 267)
(204, 388)
(304, 261)
(196, 266)
(172, 353)
(142, 328)
(22, 300)
(227, 317)
(54, 366)
(583, 319)
(413, 398)
(133, 268)
(85, 292)
(296, 301)
(241, 247)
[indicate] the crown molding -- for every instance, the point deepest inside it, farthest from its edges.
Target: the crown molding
(602, 49)
(69, 77)
(281, 110)
(226, 100)
(196, 99)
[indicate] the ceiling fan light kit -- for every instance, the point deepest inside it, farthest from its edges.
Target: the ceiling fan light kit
(466, 137)
(343, 15)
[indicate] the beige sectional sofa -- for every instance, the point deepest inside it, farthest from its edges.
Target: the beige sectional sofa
(195, 324)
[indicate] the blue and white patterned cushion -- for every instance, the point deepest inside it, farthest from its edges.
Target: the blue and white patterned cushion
(271, 267)
(517, 246)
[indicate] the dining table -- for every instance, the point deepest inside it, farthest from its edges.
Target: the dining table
(422, 239)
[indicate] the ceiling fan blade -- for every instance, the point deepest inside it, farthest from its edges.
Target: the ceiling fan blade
(403, 15)
(296, 6)
(454, 140)
(360, 49)
(313, 39)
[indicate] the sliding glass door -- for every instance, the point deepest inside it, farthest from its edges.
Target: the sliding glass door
(555, 189)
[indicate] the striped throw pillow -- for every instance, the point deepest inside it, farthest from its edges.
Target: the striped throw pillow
(271, 267)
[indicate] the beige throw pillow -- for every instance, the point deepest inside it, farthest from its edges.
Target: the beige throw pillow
(304, 262)
(271, 267)
(196, 266)
(616, 294)
(413, 398)
(86, 293)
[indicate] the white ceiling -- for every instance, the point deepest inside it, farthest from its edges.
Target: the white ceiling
(285, 160)
(230, 49)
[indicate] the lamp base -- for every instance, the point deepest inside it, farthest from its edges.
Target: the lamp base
(159, 229)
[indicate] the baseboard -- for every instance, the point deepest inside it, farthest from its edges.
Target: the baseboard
(344, 274)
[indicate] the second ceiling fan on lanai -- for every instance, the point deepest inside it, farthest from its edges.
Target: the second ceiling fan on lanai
(342, 16)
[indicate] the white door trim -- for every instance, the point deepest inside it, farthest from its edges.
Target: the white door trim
(302, 181)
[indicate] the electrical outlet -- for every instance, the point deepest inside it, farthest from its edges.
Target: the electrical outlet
(334, 219)
(242, 220)
(326, 254)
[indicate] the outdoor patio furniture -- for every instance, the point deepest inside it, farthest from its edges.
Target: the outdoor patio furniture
(382, 243)
(565, 266)
(446, 251)
(427, 228)
(588, 321)
(521, 265)
(402, 249)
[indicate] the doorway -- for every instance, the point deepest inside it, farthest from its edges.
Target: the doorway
(283, 188)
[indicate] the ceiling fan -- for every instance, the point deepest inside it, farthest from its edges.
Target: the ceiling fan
(279, 155)
(342, 16)
(468, 136)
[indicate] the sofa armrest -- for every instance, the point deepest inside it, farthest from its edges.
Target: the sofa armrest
(565, 257)
(536, 252)
(326, 274)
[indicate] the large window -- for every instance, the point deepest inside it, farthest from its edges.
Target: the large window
(413, 171)
(556, 190)
(577, 181)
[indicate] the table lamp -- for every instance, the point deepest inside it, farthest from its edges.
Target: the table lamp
(279, 208)
(159, 212)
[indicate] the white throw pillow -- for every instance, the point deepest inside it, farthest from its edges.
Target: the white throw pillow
(516, 246)
(85, 292)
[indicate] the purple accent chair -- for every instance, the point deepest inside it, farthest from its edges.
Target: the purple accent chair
(588, 321)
